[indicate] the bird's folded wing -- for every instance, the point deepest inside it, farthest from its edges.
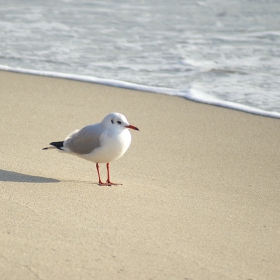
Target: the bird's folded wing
(84, 141)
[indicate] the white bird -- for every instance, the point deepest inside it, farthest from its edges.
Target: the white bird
(101, 142)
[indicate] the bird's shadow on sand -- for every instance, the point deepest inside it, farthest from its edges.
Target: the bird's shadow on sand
(11, 176)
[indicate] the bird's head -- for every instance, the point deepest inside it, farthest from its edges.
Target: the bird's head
(117, 121)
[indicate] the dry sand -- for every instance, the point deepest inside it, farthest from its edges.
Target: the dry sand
(200, 196)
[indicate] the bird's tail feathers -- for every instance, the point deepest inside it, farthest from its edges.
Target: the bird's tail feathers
(55, 145)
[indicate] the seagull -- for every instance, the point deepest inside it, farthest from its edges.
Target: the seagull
(100, 143)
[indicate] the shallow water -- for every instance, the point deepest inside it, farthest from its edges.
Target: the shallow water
(227, 49)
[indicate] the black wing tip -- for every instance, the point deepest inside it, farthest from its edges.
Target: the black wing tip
(57, 145)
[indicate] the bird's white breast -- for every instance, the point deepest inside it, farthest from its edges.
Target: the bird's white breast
(113, 146)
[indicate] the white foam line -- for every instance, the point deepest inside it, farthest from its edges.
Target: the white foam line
(190, 94)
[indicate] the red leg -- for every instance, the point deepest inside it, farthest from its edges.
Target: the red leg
(99, 178)
(108, 175)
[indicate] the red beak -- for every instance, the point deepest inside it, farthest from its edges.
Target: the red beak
(132, 127)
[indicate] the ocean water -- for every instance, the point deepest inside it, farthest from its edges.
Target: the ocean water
(221, 52)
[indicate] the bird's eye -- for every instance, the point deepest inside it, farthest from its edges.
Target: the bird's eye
(119, 122)
(112, 121)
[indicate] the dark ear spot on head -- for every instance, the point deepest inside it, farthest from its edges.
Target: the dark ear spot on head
(112, 121)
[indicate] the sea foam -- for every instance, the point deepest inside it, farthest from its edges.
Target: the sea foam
(190, 94)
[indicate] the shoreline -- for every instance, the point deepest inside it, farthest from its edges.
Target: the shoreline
(199, 200)
(190, 94)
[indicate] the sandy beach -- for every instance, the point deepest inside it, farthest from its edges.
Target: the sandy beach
(199, 200)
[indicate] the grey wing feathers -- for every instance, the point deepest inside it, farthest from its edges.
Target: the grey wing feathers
(84, 141)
